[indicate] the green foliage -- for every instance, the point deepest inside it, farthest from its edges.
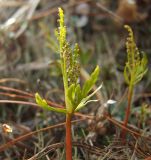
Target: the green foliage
(135, 67)
(143, 112)
(86, 100)
(75, 96)
(90, 82)
(42, 102)
(50, 42)
(79, 97)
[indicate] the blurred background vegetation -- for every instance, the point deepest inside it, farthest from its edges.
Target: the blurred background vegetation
(29, 64)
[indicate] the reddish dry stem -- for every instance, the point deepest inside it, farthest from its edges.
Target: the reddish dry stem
(68, 137)
(128, 111)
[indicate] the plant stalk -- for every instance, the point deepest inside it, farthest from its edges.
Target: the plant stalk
(128, 111)
(68, 137)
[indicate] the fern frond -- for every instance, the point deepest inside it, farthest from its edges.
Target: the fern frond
(136, 66)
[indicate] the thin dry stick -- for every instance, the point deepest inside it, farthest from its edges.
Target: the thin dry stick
(16, 91)
(3, 80)
(27, 103)
(134, 151)
(24, 137)
(128, 111)
(119, 124)
(20, 144)
(54, 10)
(115, 122)
(19, 102)
(30, 95)
(14, 95)
(109, 12)
(4, 3)
(9, 144)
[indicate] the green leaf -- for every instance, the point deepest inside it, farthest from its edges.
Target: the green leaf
(86, 100)
(42, 103)
(126, 74)
(78, 94)
(74, 95)
(71, 94)
(90, 82)
(78, 98)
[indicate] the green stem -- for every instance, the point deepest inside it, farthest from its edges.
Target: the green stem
(128, 110)
(68, 137)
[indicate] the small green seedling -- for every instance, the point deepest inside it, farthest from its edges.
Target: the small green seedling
(76, 97)
(134, 71)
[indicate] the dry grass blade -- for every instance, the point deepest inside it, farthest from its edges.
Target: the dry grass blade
(94, 150)
(16, 91)
(4, 3)
(12, 80)
(54, 10)
(114, 15)
(115, 150)
(19, 102)
(25, 12)
(14, 95)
